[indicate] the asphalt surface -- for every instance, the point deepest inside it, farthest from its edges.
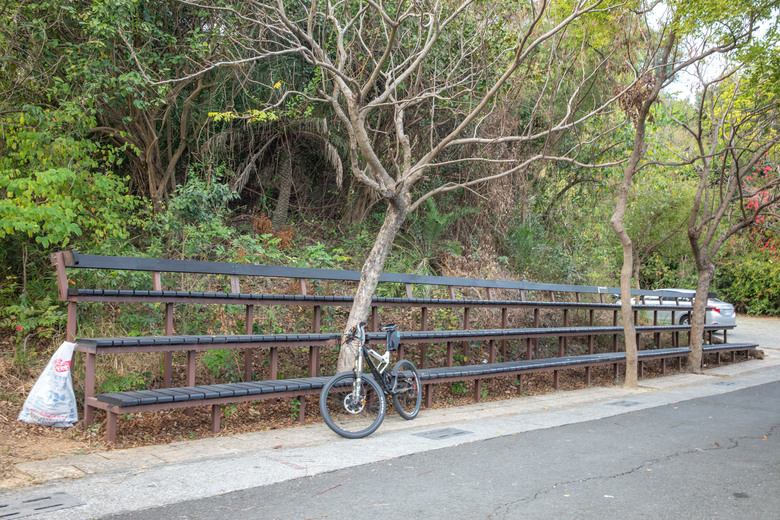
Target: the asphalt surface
(683, 446)
(715, 458)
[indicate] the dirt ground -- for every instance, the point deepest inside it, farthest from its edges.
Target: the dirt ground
(21, 442)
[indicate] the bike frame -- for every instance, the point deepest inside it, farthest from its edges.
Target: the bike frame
(377, 371)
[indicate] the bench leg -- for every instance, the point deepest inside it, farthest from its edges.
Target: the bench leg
(89, 416)
(111, 427)
(191, 377)
(663, 366)
(89, 388)
(556, 379)
(216, 418)
(520, 384)
(168, 369)
(477, 390)
(587, 376)
(428, 396)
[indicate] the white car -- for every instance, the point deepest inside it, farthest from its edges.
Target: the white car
(718, 311)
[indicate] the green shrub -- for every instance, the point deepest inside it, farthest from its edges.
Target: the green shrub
(751, 283)
(114, 382)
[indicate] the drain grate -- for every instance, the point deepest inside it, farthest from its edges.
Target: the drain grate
(442, 433)
(725, 383)
(20, 508)
(623, 403)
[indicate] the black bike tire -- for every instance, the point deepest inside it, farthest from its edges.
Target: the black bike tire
(398, 408)
(332, 424)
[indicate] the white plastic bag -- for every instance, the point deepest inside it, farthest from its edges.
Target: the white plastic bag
(51, 401)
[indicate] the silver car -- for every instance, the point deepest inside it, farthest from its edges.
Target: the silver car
(718, 311)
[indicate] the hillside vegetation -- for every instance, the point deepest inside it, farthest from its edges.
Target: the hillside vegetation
(161, 129)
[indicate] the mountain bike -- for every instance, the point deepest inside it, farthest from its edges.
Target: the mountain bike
(353, 403)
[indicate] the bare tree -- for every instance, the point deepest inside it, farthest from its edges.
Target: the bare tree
(735, 127)
(388, 70)
(670, 59)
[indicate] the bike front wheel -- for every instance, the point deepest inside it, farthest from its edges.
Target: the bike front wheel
(408, 395)
(352, 414)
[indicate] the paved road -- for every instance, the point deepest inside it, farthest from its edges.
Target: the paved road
(684, 446)
(711, 458)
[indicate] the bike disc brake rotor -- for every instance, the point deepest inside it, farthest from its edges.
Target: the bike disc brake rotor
(354, 405)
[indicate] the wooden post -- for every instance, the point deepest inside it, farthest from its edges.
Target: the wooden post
(58, 261)
(590, 348)
(168, 362)
(89, 387)
(423, 346)
(249, 318)
(504, 318)
(111, 426)
(273, 363)
(216, 418)
(615, 341)
(70, 334)
(314, 352)
(536, 325)
(466, 326)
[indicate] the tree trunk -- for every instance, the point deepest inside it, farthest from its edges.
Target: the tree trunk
(706, 275)
(636, 268)
(283, 202)
(627, 314)
(369, 275)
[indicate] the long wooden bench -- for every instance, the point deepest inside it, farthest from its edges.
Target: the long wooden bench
(192, 344)
(218, 395)
(169, 342)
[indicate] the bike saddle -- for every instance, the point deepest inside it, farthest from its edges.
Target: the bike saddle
(388, 328)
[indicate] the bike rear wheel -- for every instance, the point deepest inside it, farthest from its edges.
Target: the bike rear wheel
(408, 396)
(349, 417)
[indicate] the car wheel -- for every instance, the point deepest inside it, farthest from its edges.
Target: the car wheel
(684, 319)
